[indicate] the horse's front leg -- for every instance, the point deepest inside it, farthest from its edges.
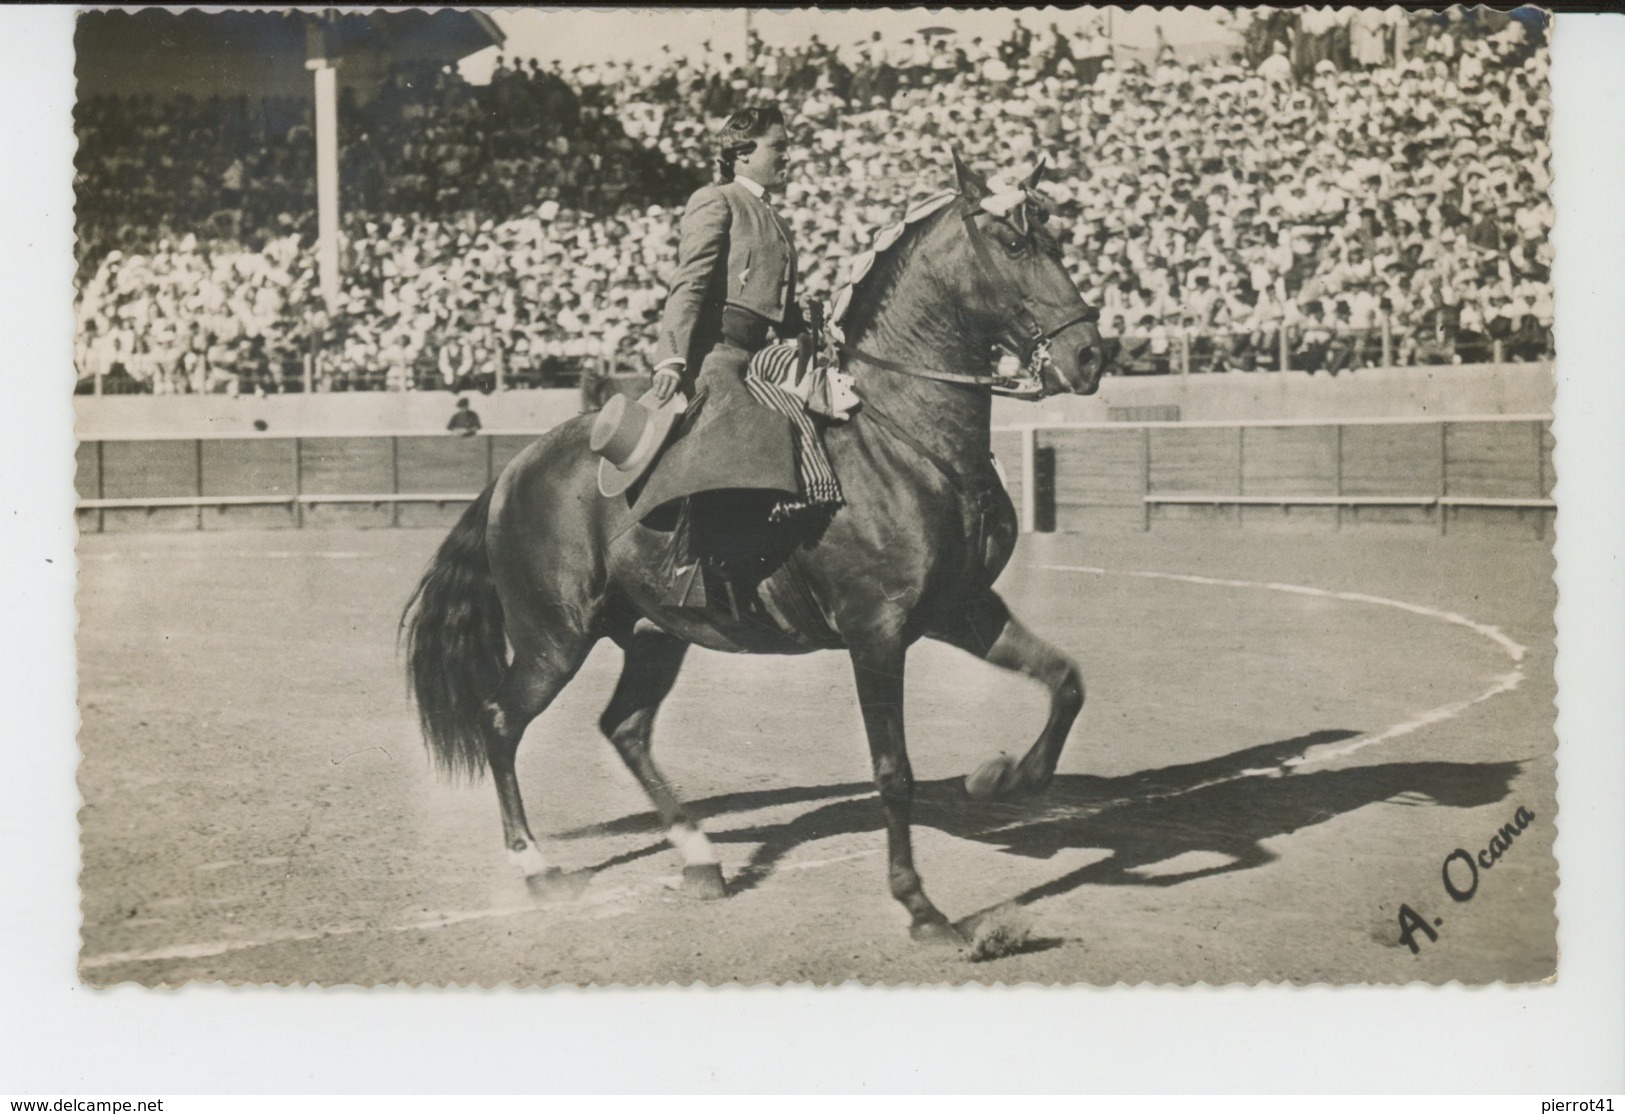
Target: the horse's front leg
(879, 673)
(990, 632)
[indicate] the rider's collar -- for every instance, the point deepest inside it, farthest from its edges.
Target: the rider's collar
(755, 188)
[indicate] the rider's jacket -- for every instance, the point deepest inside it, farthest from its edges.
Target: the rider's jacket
(734, 251)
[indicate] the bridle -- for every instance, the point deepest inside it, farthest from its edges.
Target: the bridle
(1033, 336)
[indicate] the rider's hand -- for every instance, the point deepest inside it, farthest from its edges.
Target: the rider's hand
(665, 384)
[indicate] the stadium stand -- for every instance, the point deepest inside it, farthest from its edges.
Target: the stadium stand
(1348, 189)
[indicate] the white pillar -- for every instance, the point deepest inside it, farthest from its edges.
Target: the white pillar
(327, 176)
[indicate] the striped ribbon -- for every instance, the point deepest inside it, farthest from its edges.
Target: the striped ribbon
(768, 378)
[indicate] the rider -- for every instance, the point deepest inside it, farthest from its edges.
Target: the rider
(736, 264)
(733, 291)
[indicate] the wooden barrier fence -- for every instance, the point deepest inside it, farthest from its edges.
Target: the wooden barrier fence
(1083, 477)
(270, 482)
(1134, 475)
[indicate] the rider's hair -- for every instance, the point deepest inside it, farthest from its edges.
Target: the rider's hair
(740, 133)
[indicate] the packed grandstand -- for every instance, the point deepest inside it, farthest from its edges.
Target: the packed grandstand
(1344, 189)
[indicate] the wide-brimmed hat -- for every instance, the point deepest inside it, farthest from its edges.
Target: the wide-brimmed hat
(628, 435)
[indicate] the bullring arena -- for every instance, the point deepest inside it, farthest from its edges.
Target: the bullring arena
(1295, 713)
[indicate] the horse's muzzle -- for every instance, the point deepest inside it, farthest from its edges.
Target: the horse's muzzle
(1091, 362)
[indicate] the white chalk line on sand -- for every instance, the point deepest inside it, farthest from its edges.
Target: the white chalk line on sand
(1504, 683)
(605, 903)
(221, 947)
(602, 904)
(228, 555)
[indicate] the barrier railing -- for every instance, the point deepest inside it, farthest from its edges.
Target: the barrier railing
(1168, 350)
(1179, 350)
(310, 374)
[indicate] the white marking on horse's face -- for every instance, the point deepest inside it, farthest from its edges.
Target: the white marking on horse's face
(530, 861)
(692, 845)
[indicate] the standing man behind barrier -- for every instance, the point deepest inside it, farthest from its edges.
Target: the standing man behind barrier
(464, 422)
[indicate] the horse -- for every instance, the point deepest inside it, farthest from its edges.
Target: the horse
(544, 564)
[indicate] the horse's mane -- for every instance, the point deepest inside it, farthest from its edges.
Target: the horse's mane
(872, 270)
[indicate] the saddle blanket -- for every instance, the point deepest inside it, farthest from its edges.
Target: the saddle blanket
(770, 380)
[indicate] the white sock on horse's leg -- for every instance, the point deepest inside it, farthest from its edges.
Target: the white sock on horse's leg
(530, 861)
(692, 844)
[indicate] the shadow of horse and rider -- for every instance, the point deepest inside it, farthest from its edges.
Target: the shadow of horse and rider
(1231, 804)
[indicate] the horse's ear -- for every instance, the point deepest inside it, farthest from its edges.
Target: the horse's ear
(1038, 172)
(971, 184)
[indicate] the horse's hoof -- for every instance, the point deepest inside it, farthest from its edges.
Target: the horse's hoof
(704, 882)
(993, 778)
(936, 932)
(553, 884)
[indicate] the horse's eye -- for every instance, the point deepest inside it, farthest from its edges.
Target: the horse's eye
(1015, 247)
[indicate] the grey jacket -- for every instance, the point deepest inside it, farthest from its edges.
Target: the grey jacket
(734, 250)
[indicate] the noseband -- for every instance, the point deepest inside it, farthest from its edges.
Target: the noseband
(1033, 336)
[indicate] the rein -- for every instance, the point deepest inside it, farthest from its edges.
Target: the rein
(924, 373)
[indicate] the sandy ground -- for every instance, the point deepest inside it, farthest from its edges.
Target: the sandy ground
(1260, 779)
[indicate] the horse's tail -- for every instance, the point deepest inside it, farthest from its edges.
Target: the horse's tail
(456, 646)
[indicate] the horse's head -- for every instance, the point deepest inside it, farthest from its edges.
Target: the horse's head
(1018, 288)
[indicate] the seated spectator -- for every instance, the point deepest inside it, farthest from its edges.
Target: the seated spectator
(1346, 350)
(1139, 353)
(1311, 339)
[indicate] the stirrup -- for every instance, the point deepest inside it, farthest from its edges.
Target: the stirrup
(687, 591)
(700, 586)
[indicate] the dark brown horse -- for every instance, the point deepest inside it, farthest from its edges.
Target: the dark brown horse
(545, 565)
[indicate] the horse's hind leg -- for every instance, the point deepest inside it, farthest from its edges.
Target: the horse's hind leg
(528, 688)
(990, 632)
(653, 659)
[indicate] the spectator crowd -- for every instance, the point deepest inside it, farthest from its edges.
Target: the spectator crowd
(1342, 188)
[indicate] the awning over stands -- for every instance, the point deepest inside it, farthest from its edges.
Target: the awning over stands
(259, 53)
